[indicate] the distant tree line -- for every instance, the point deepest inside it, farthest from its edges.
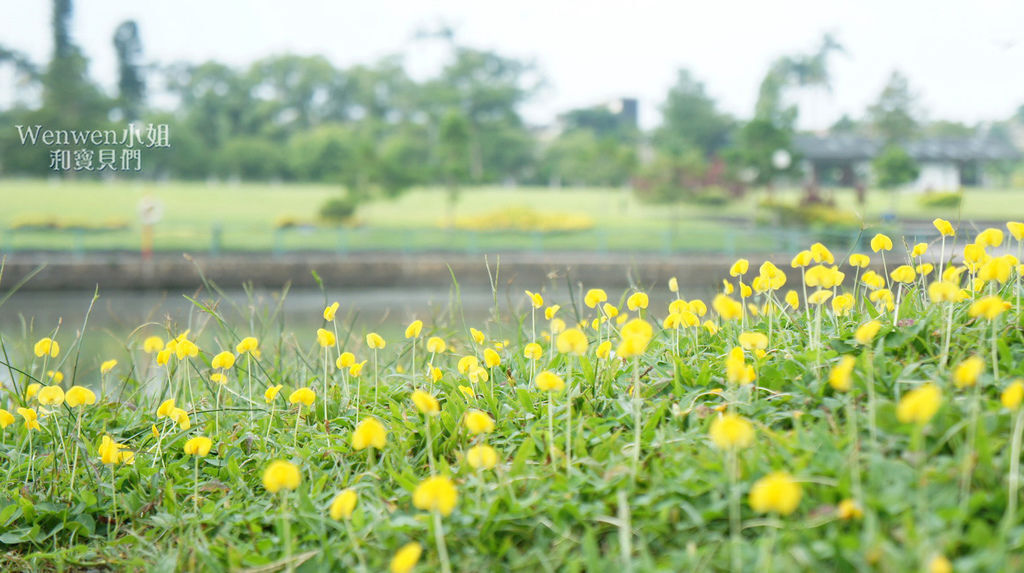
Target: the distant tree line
(376, 131)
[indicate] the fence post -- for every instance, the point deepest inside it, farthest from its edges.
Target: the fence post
(216, 239)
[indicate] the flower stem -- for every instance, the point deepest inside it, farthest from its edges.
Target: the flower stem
(442, 549)
(734, 510)
(1014, 478)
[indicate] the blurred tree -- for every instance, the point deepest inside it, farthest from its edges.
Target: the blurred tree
(582, 157)
(690, 119)
(894, 167)
(892, 116)
(845, 124)
(131, 86)
(454, 156)
(756, 143)
(70, 99)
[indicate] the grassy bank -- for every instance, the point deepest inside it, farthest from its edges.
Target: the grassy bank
(709, 435)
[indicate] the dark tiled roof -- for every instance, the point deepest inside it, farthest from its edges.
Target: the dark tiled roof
(861, 148)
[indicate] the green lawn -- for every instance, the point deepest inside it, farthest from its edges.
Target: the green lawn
(245, 216)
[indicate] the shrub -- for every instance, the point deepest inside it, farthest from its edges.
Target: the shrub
(338, 210)
(816, 216)
(524, 219)
(951, 199)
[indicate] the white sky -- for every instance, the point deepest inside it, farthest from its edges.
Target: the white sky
(965, 58)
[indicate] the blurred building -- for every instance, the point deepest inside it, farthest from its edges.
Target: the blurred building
(946, 163)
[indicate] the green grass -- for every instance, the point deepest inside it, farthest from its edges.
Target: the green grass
(245, 216)
(941, 487)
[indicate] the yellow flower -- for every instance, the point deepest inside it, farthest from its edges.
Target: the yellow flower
(369, 433)
(30, 417)
(224, 360)
(903, 274)
(939, 564)
(726, 307)
(491, 358)
(819, 297)
(821, 254)
(739, 268)
(637, 300)
(111, 452)
(55, 375)
(345, 360)
(467, 363)
(467, 391)
(1012, 396)
(413, 330)
(163, 356)
(181, 418)
(730, 431)
(406, 558)
(281, 475)
(776, 492)
(478, 422)
(881, 242)
(989, 307)
(325, 338)
(548, 381)
(771, 276)
(866, 332)
(478, 336)
(604, 349)
(839, 377)
(920, 404)
(842, 304)
(343, 504)
(943, 291)
(849, 509)
(918, 250)
(533, 351)
(198, 446)
(482, 457)
(636, 335)
(330, 311)
(107, 366)
(594, 297)
(79, 395)
(727, 287)
(425, 402)
(535, 299)
(51, 396)
(997, 269)
(304, 395)
(673, 284)
(436, 493)
(248, 344)
(47, 346)
(6, 418)
(434, 372)
(989, 238)
(551, 311)
(944, 227)
(1016, 229)
(793, 300)
(165, 408)
(219, 378)
(859, 260)
(745, 291)
(753, 340)
(271, 392)
(873, 280)
(356, 369)
(801, 259)
(882, 297)
(152, 344)
(967, 372)
(736, 368)
(32, 390)
(572, 341)
(436, 345)
(185, 348)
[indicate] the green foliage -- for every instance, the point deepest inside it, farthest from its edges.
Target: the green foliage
(894, 167)
(338, 210)
(950, 200)
(819, 216)
(691, 120)
(893, 115)
(670, 178)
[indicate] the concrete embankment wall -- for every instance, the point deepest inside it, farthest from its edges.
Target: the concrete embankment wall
(129, 271)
